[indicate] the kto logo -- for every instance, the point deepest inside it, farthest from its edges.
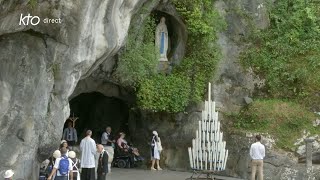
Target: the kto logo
(25, 20)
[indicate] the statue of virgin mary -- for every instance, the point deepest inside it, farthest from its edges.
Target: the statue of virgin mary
(162, 39)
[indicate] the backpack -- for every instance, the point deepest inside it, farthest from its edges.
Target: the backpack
(75, 168)
(75, 165)
(64, 165)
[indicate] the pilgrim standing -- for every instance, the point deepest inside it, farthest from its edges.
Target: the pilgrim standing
(70, 135)
(88, 149)
(102, 169)
(107, 140)
(257, 153)
(156, 149)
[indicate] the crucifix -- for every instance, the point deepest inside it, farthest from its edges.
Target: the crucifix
(73, 119)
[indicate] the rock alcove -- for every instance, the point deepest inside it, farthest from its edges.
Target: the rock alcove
(176, 31)
(97, 111)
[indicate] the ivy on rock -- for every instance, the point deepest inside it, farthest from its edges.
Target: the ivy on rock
(187, 81)
(287, 54)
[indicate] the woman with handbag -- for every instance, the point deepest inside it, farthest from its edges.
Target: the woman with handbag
(156, 149)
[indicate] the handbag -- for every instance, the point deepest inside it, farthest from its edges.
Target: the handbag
(159, 146)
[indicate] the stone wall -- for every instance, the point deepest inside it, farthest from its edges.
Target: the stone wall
(41, 65)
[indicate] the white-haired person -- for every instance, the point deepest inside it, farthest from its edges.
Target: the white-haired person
(75, 165)
(108, 140)
(156, 149)
(8, 174)
(56, 154)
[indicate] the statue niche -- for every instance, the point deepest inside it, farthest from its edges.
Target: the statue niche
(162, 39)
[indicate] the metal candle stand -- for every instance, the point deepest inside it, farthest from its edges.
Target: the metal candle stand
(208, 154)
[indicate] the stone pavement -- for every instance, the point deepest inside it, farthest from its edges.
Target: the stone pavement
(139, 174)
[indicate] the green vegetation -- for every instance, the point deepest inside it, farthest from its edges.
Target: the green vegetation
(164, 93)
(33, 3)
(187, 82)
(287, 54)
(284, 120)
(139, 61)
(203, 23)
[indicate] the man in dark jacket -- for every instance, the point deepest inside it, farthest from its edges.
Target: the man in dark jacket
(102, 169)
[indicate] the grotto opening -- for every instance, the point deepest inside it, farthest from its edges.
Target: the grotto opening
(96, 111)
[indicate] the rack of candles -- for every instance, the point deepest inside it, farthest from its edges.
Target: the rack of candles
(208, 151)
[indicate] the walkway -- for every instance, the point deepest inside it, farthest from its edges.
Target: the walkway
(138, 174)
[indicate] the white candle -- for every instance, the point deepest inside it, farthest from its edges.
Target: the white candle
(214, 161)
(200, 132)
(206, 106)
(217, 116)
(194, 153)
(208, 131)
(216, 137)
(205, 160)
(204, 141)
(209, 92)
(200, 161)
(209, 152)
(197, 134)
(202, 126)
(217, 152)
(206, 165)
(190, 157)
(225, 160)
(209, 110)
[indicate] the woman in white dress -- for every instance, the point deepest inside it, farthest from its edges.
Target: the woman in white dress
(156, 149)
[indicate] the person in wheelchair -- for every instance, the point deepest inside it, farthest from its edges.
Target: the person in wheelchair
(127, 148)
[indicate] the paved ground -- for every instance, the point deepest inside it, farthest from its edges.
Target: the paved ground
(138, 174)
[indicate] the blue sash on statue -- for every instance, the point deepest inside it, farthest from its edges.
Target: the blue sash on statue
(162, 43)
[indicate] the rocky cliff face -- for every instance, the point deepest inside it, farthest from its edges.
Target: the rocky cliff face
(41, 64)
(233, 85)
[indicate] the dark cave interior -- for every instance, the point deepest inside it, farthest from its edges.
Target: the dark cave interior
(96, 111)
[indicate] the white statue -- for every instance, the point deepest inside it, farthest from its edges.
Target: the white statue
(162, 39)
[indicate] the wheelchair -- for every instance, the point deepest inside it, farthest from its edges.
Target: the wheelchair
(123, 159)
